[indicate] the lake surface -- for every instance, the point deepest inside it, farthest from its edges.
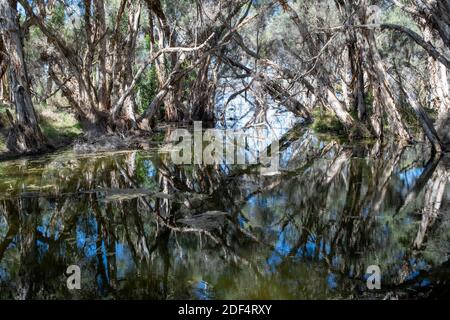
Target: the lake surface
(140, 227)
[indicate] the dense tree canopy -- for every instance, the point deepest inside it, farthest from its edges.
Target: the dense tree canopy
(380, 67)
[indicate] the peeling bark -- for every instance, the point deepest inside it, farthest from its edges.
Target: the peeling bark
(383, 93)
(25, 135)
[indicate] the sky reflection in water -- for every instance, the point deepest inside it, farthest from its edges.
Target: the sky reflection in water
(140, 227)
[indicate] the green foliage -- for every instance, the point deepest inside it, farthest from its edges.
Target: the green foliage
(326, 122)
(368, 99)
(56, 132)
(2, 108)
(147, 41)
(58, 16)
(189, 79)
(3, 122)
(395, 15)
(147, 89)
(410, 118)
(3, 117)
(2, 144)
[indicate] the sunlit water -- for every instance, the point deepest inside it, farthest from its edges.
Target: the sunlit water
(140, 227)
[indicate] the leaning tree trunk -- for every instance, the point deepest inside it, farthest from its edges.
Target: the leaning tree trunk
(437, 15)
(440, 99)
(433, 204)
(383, 96)
(439, 91)
(25, 135)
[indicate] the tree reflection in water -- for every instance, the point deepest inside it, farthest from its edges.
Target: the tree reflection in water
(140, 227)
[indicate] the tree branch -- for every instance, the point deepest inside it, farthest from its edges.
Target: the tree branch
(432, 51)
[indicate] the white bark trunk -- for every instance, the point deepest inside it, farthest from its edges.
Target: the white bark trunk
(26, 135)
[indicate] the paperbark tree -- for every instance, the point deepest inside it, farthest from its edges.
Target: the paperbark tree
(433, 17)
(3, 68)
(25, 135)
(103, 103)
(162, 36)
(439, 96)
(323, 87)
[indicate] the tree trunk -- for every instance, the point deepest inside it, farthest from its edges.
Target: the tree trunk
(166, 66)
(3, 68)
(382, 92)
(424, 120)
(439, 98)
(433, 204)
(443, 126)
(127, 119)
(202, 97)
(26, 135)
(103, 98)
(355, 51)
(326, 92)
(438, 87)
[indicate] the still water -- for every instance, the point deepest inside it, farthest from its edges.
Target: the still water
(140, 227)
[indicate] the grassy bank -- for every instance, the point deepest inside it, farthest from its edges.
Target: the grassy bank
(325, 122)
(3, 130)
(58, 125)
(2, 144)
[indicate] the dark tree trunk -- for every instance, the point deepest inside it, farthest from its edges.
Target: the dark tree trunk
(3, 68)
(357, 83)
(202, 98)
